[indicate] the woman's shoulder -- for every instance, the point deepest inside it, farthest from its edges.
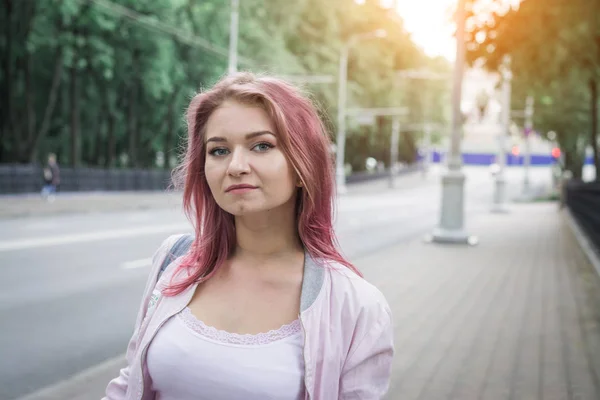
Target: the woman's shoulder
(355, 291)
(165, 248)
(166, 252)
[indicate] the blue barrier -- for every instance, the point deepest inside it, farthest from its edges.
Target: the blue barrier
(511, 160)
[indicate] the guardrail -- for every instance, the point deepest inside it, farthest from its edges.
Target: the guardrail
(583, 199)
(28, 179)
(20, 178)
(364, 176)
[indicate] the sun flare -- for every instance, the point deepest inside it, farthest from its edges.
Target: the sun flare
(430, 22)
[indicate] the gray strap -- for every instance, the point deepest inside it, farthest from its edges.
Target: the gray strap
(180, 247)
(312, 281)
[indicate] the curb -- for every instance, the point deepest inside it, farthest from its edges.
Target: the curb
(79, 203)
(87, 203)
(585, 243)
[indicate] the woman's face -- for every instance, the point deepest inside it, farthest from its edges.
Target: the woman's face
(246, 169)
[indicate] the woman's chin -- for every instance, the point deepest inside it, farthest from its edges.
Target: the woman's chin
(244, 209)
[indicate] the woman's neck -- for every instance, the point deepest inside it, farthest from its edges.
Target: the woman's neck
(271, 235)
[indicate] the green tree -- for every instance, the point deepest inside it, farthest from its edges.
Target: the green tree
(555, 51)
(105, 82)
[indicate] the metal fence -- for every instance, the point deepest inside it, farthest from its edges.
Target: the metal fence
(583, 199)
(29, 179)
(21, 178)
(364, 176)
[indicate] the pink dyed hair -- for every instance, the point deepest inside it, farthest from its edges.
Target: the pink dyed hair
(303, 140)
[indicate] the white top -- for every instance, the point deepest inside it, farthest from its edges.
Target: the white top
(188, 360)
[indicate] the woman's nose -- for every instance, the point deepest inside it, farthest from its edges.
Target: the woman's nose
(239, 163)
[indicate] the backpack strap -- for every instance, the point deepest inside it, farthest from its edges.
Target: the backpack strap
(180, 247)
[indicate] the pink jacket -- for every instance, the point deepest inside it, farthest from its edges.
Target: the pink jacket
(347, 327)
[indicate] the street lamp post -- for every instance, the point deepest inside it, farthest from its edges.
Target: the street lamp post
(394, 142)
(233, 35)
(340, 171)
(528, 131)
(451, 226)
(426, 133)
(428, 156)
(499, 205)
(341, 111)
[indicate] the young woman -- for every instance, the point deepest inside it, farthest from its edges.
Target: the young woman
(262, 306)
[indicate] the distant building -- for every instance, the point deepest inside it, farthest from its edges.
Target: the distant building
(482, 108)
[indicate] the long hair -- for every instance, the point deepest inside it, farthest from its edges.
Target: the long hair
(304, 142)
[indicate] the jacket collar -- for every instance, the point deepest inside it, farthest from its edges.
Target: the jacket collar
(312, 282)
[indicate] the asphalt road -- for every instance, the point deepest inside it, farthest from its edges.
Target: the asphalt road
(71, 284)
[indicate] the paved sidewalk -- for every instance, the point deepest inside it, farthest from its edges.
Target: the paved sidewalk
(32, 205)
(516, 317)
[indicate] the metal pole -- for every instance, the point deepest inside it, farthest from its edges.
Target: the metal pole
(427, 157)
(528, 132)
(341, 120)
(451, 227)
(499, 205)
(233, 35)
(427, 132)
(394, 148)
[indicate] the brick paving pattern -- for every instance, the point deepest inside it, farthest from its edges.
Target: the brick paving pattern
(516, 317)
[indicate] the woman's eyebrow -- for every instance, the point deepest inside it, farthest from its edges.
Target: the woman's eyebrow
(248, 136)
(252, 135)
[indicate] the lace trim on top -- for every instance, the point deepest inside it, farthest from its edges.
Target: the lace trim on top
(235, 338)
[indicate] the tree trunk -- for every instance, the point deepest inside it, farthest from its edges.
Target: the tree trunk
(50, 105)
(75, 122)
(30, 114)
(131, 126)
(574, 163)
(92, 127)
(140, 145)
(132, 113)
(96, 151)
(29, 99)
(111, 150)
(19, 122)
(170, 130)
(6, 134)
(594, 132)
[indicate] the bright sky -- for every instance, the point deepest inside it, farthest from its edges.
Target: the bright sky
(430, 23)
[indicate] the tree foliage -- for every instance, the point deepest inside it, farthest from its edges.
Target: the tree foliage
(104, 82)
(555, 51)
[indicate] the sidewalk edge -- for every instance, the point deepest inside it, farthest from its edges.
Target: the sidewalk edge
(583, 240)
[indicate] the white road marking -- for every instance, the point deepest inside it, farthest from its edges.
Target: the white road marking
(89, 383)
(144, 262)
(20, 244)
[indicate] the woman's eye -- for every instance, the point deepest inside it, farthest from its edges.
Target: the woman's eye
(262, 147)
(219, 152)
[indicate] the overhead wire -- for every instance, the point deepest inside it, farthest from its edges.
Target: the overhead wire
(160, 27)
(193, 40)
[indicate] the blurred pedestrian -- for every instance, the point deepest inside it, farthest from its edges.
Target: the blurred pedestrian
(263, 305)
(51, 178)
